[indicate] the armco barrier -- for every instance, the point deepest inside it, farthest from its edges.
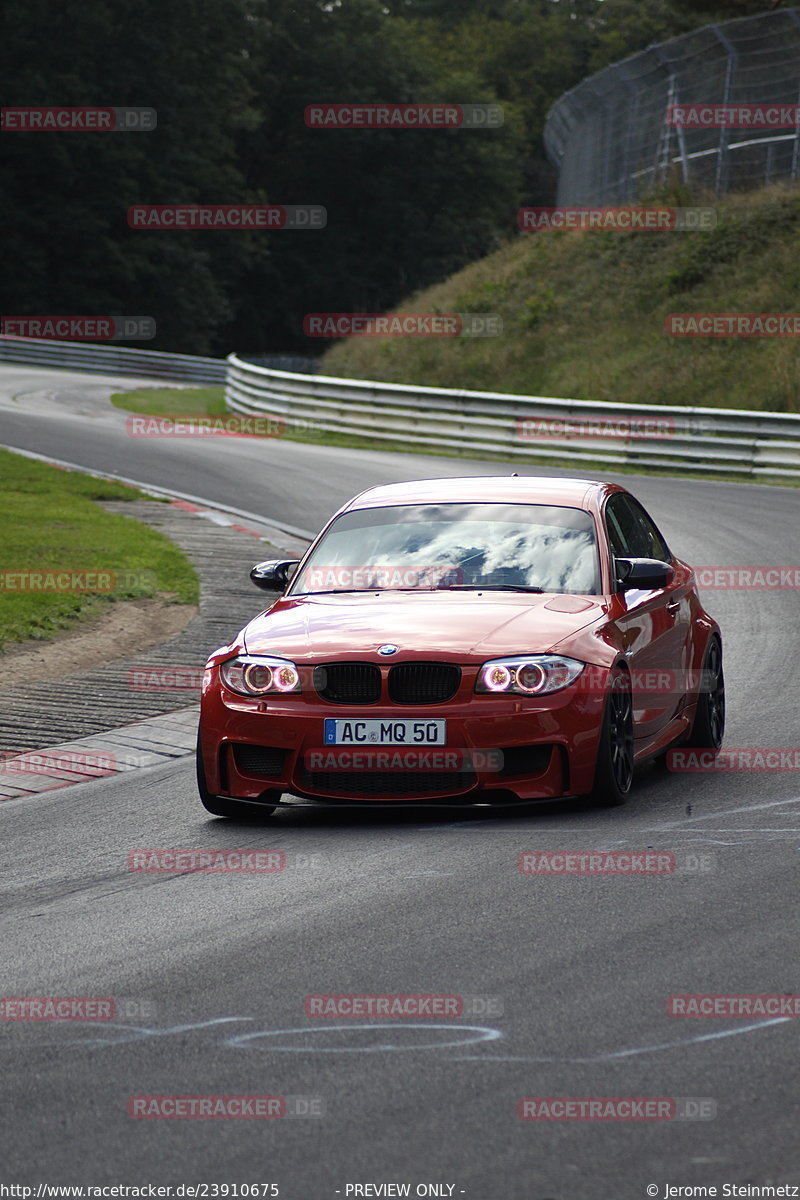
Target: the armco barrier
(728, 441)
(734, 442)
(112, 360)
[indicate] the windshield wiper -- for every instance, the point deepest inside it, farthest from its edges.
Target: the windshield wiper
(368, 591)
(446, 587)
(491, 587)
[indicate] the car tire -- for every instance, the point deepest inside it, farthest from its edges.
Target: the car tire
(708, 727)
(613, 775)
(221, 806)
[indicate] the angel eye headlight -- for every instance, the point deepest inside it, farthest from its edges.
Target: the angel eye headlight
(257, 678)
(496, 677)
(286, 678)
(259, 675)
(530, 675)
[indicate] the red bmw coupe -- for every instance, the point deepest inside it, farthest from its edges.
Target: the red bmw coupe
(463, 641)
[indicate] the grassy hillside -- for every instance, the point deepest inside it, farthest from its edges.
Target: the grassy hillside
(583, 315)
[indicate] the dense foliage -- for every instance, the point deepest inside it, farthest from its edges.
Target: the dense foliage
(230, 80)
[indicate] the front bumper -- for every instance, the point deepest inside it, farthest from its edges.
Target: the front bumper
(548, 748)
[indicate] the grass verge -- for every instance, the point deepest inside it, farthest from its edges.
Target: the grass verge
(51, 525)
(172, 401)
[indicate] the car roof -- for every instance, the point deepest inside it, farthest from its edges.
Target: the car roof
(508, 489)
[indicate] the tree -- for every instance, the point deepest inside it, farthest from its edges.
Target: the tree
(705, 11)
(405, 207)
(230, 80)
(64, 196)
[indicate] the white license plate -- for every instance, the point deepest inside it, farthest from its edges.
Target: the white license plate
(375, 732)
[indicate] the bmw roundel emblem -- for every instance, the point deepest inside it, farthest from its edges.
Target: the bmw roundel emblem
(387, 649)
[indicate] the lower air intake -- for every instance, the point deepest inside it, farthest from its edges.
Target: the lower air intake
(388, 784)
(266, 761)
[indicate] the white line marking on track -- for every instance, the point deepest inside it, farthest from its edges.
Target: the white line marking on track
(619, 1054)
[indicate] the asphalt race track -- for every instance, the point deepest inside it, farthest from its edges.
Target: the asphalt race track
(572, 974)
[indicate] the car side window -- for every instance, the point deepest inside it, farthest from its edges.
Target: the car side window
(623, 532)
(615, 535)
(631, 532)
(657, 547)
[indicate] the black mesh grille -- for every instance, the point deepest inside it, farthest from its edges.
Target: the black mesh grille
(526, 760)
(423, 682)
(348, 683)
(259, 760)
(382, 784)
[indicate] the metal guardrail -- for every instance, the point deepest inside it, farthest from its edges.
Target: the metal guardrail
(303, 364)
(112, 360)
(709, 440)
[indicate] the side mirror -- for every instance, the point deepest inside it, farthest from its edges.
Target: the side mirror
(645, 573)
(274, 574)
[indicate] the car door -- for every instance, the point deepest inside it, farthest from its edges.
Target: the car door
(655, 625)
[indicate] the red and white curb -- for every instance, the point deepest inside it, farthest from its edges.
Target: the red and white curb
(156, 739)
(146, 743)
(219, 518)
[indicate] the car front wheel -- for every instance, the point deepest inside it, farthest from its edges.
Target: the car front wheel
(708, 728)
(614, 771)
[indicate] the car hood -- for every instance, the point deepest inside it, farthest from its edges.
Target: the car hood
(458, 626)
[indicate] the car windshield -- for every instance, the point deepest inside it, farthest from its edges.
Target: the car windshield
(513, 547)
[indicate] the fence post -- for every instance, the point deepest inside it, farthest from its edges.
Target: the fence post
(633, 112)
(794, 16)
(721, 185)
